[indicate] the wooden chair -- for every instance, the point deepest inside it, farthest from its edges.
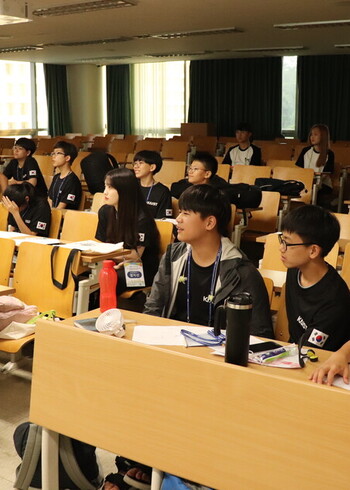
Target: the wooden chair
(344, 221)
(269, 288)
(305, 175)
(97, 201)
(100, 143)
(79, 225)
(7, 248)
(48, 180)
(231, 142)
(205, 143)
(223, 171)
(175, 207)
(153, 144)
(45, 146)
(3, 217)
(83, 200)
(122, 146)
(280, 163)
(345, 271)
(55, 225)
(171, 171)
(175, 150)
(277, 151)
(264, 220)
(76, 168)
(248, 173)
(281, 325)
(45, 164)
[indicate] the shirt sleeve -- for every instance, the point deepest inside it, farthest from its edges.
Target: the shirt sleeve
(300, 161)
(329, 167)
(227, 159)
(70, 193)
(101, 233)
(41, 219)
(256, 157)
(10, 169)
(164, 208)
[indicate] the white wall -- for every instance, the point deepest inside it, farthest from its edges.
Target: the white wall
(85, 93)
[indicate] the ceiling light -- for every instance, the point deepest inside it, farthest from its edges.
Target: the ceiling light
(342, 46)
(283, 48)
(314, 25)
(19, 49)
(13, 12)
(83, 7)
(175, 55)
(205, 32)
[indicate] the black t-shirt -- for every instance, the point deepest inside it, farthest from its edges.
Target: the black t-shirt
(37, 216)
(30, 170)
(199, 300)
(66, 190)
(158, 200)
(323, 309)
(148, 238)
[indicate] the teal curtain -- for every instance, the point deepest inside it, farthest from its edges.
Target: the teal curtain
(118, 99)
(324, 94)
(227, 92)
(57, 99)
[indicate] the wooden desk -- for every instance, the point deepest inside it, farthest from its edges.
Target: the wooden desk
(6, 290)
(187, 412)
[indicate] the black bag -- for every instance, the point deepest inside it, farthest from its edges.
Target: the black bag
(78, 467)
(94, 167)
(284, 187)
(243, 195)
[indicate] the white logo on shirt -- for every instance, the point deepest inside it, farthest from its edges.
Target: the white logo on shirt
(71, 197)
(318, 338)
(301, 322)
(141, 237)
(41, 225)
(32, 172)
(168, 212)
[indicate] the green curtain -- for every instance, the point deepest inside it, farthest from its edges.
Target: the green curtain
(226, 92)
(118, 99)
(57, 99)
(324, 94)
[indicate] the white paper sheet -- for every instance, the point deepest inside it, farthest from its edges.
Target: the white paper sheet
(94, 247)
(164, 335)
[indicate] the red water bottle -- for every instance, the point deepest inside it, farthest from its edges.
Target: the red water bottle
(108, 279)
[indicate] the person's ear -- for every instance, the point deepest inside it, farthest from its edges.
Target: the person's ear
(211, 223)
(152, 167)
(315, 251)
(208, 174)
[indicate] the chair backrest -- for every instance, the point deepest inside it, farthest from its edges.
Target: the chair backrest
(281, 325)
(269, 288)
(205, 143)
(304, 175)
(265, 220)
(345, 271)
(79, 225)
(248, 173)
(3, 217)
(33, 282)
(165, 229)
(342, 155)
(153, 144)
(55, 225)
(233, 221)
(7, 248)
(122, 146)
(223, 171)
(280, 163)
(84, 196)
(171, 171)
(176, 150)
(175, 207)
(277, 151)
(97, 202)
(344, 221)
(76, 168)
(45, 164)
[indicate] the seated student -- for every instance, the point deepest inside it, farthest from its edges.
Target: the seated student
(125, 218)
(157, 196)
(197, 274)
(320, 158)
(338, 363)
(245, 153)
(65, 189)
(317, 298)
(23, 168)
(28, 212)
(201, 171)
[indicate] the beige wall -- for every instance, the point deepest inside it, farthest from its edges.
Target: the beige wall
(85, 83)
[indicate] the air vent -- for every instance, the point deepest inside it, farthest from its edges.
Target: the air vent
(206, 32)
(102, 60)
(175, 55)
(83, 7)
(18, 49)
(313, 25)
(97, 41)
(268, 50)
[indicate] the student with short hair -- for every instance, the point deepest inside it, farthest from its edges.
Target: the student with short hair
(244, 153)
(157, 196)
(317, 298)
(23, 168)
(201, 171)
(204, 268)
(65, 189)
(28, 212)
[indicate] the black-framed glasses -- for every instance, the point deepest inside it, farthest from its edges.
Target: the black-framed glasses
(285, 245)
(55, 153)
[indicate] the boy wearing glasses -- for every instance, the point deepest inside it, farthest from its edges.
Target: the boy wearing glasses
(157, 196)
(65, 189)
(23, 168)
(317, 298)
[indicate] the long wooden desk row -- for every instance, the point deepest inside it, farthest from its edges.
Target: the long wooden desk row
(187, 412)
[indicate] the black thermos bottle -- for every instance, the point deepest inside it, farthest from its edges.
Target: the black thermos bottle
(238, 317)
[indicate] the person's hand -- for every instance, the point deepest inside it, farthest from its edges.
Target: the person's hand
(11, 206)
(336, 364)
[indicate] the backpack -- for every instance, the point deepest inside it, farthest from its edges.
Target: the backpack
(243, 195)
(284, 187)
(78, 466)
(94, 167)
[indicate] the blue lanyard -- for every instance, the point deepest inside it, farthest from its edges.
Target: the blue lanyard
(149, 192)
(212, 285)
(55, 200)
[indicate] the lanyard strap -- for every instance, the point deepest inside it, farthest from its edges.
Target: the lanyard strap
(149, 192)
(55, 199)
(212, 285)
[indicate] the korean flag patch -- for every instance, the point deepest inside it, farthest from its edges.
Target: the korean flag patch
(141, 237)
(32, 173)
(71, 197)
(41, 225)
(318, 338)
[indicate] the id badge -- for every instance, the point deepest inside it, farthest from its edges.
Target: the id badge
(134, 274)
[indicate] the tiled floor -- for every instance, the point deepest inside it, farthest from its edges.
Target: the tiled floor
(14, 409)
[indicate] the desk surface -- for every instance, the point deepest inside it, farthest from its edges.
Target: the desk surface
(188, 412)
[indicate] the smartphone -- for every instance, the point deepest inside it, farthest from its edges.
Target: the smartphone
(264, 346)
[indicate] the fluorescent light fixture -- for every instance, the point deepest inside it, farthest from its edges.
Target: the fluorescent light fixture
(83, 7)
(175, 55)
(19, 49)
(281, 48)
(13, 12)
(314, 25)
(203, 32)
(342, 46)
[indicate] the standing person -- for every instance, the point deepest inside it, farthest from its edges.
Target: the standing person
(65, 189)
(23, 168)
(28, 212)
(245, 153)
(317, 298)
(157, 196)
(125, 218)
(320, 158)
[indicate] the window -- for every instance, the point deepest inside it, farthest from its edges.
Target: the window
(289, 82)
